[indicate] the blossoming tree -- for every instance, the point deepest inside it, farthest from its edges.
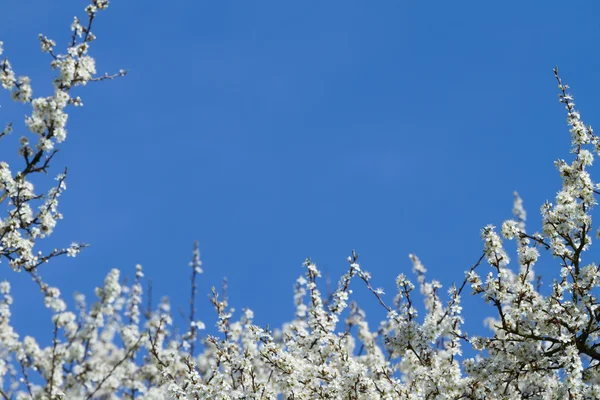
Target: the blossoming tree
(544, 343)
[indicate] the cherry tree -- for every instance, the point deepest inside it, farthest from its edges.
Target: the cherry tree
(543, 344)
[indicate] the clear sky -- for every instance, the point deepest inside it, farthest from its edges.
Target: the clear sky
(271, 131)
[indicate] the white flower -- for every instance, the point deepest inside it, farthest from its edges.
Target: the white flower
(586, 157)
(510, 229)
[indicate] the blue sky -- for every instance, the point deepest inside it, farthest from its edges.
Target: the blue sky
(272, 131)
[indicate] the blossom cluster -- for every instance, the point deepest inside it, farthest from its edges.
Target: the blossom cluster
(31, 216)
(544, 342)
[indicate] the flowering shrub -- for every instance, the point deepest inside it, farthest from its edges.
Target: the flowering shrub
(542, 346)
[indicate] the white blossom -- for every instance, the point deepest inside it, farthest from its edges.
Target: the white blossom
(543, 341)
